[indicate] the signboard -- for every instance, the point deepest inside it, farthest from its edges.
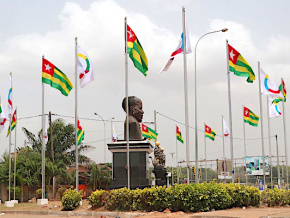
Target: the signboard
(254, 166)
(224, 169)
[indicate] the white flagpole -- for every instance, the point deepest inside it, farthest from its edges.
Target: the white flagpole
(270, 149)
(285, 134)
(176, 159)
(245, 148)
(185, 93)
(262, 132)
(10, 115)
(127, 105)
(230, 112)
(43, 145)
(205, 164)
(224, 155)
(76, 115)
(278, 166)
(15, 157)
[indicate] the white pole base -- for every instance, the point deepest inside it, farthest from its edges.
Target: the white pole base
(42, 201)
(15, 201)
(9, 204)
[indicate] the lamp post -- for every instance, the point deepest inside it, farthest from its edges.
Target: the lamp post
(196, 137)
(104, 135)
(112, 128)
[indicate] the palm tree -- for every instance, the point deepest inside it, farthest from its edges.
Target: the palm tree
(63, 143)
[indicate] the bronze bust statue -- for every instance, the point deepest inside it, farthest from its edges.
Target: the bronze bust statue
(135, 117)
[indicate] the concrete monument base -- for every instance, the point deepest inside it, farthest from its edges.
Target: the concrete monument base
(139, 164)
(42, 201)
(9, 204)
(15, 201)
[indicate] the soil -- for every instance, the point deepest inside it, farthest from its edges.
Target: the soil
(250, 212)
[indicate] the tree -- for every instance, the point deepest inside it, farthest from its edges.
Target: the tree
(63, 143)
(99, 175)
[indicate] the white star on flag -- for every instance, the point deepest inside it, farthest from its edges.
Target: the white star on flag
(131, 34)
(47, 67)
(232, 55)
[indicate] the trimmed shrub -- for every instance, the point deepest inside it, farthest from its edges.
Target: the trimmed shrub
(255, 196)
(275, 197)
(243, 195)
(184, 197)
(71, 199)
(39, 193)
(98, 198)
(151, 199)
(120, 199)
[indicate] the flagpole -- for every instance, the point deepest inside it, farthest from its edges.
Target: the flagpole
(224, 155)
(15, 155)
(155, 124)
(176, 160)
(127, 105)
(185, 93)
(245, 148)
(270, 149)
(10, 115)
(230, 113)
(278, 167)
(285, 133)
(262, 132)
(43, 146)
(76, 116)
(205, 164)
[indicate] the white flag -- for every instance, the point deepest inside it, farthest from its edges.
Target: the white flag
(114, 134)
(3, 118)
(268, 87)
(274, 110)
(178, 50)
(85, 68)
(226, 129)
(45, 137)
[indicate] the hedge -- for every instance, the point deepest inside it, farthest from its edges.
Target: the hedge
(184, 197)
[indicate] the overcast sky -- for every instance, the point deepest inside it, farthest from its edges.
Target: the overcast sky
(259, 30)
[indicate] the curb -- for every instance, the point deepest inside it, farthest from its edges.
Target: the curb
(80, 214)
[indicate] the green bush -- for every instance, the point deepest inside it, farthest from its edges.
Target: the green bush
(71, 199)
(151, 199)
(61, 191)
(275, 197)
(120, 199)
(39, 193)
(243, 195)
(17, 192)
(184, 197)
(98, 198)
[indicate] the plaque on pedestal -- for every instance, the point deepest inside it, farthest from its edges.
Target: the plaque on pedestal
(139, 163)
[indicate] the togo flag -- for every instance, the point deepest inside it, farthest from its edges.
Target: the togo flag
(85, 68)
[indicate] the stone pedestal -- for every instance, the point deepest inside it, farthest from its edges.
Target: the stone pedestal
(9, 204)
(160, 175)
(42, 201)
(139, 164)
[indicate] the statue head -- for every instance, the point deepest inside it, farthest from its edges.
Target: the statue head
(135, 107)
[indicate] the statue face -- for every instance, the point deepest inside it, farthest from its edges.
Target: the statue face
(137, 110)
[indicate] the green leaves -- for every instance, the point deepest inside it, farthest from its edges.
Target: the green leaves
(71, 199)
(184, 197)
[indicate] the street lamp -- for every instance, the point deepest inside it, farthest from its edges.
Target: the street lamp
(104, 136)
(196, 141)
(112, 128)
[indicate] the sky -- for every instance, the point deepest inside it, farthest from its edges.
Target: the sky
(259, 30)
